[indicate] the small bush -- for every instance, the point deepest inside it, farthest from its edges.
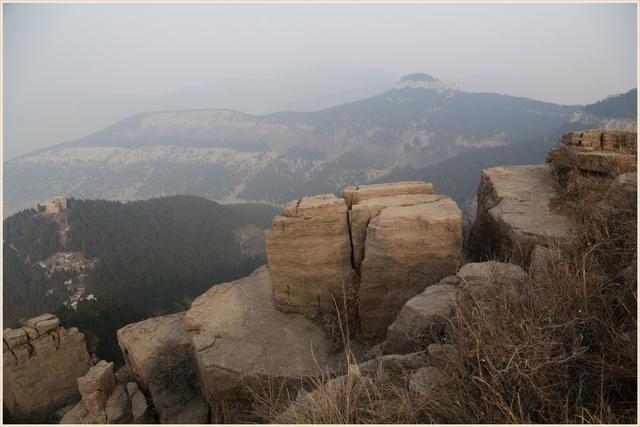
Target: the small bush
(173, 370)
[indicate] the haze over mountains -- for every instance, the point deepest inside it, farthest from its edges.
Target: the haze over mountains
(232, 156)
(326, 84)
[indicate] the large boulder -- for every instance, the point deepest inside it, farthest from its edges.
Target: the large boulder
(514, 213)
(244, 344)
(356, 194)
(140, 341)
(406, 249)
(309, 254)
(42, 362)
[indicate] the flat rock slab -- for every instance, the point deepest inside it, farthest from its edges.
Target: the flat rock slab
(309, 254)
(140, 341)
(407, 248)
(356, 194)
(243, 343)
(514, 213)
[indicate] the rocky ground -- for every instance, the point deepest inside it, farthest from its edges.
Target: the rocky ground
(362, 295)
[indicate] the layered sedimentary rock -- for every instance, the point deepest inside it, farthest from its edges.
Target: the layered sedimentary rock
(140, 341)
(514, 213)
(243, 342)
(309, 254)
(357, 194)
(363, 211)
(596, 151)
(42, 362)
(406, 249)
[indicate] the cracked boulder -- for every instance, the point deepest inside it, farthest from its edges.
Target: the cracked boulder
(309, 254)
(243, 343)
(42, 362)
(406, 248)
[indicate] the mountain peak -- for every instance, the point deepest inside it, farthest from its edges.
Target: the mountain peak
(424, 81)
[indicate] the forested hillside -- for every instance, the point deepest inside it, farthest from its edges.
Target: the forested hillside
(136, 259)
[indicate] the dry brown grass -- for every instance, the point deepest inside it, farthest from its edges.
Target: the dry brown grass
(354, 398)
(558, 349)
(561, 348)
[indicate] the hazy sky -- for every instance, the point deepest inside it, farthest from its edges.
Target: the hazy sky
(52, 53)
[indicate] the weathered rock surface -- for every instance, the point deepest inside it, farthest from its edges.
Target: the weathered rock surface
(540, 264)
(42, 362)
(485, 280)
(140, 341)
(427, 381)
(596, 139)
(309, 254)
(103, 401)
(623, 192)
(365, 210)
(356, 194)
(514, 213)
(242, 342)
(406, 249)
(139, 407)
(422, 320)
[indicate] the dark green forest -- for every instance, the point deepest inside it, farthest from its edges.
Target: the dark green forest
(153, 256)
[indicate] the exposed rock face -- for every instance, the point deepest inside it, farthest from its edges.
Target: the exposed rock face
(42, 362)
(514, 213)
(422, 320)
(242, 342)
(623, 192)
(356, 194)
(426, 381)
(485, 280)
(363, 211)
(309, 254)
(406, 249)
(140, 341)
(105, 401)
(55, 205)
(608, 140)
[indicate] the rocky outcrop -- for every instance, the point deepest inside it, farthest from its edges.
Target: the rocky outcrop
(105, 401)
(359, 193)
(42, 361)
(514, 213)
(406, 249)
(395, 238)
(243, 343)
(140, 341)
(309, 254)
(424, 319)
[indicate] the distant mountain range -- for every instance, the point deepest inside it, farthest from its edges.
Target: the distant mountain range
(325, 84)
(229, 156)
